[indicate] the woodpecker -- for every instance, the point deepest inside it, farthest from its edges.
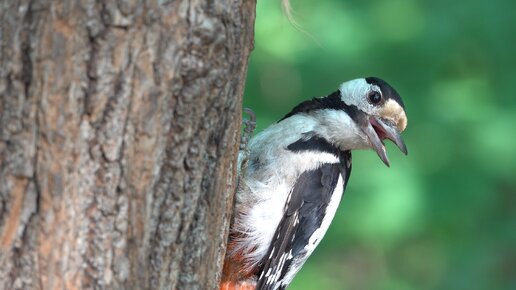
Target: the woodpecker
(294, 176)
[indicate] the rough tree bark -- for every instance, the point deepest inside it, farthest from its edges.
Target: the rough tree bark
(119, 127)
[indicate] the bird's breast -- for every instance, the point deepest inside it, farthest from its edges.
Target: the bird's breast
(261, 200)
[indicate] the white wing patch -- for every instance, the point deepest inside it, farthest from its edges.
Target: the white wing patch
(314, 201)
(317, 236)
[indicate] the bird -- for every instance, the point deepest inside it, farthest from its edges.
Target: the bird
(294, 175)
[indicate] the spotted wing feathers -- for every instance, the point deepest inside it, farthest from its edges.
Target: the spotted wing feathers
(304, 212)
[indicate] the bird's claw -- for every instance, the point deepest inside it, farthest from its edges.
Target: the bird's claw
(249, 127)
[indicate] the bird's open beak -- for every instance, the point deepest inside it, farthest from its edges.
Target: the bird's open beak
(378, 130)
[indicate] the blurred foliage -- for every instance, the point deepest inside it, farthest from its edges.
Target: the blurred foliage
(443, 217)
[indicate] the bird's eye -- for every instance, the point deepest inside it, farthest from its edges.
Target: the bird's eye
(375, 97)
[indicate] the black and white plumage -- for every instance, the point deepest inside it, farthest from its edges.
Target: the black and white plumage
(296, 172)
(308, 211)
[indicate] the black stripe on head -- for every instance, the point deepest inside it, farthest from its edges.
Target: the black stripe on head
(388, 92)
(332, 102)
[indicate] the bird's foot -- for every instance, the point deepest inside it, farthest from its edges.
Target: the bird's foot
(249, 126)
(243, 154)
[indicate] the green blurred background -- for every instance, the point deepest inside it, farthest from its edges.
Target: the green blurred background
(443, 217)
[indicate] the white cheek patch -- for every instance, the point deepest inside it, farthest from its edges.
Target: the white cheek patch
(355, 93)
(393, 110)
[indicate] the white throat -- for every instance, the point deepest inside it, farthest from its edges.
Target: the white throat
(337, 127)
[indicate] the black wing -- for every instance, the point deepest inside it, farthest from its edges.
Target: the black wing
(304, 212)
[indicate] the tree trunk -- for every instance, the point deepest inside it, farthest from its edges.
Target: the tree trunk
(119, 127)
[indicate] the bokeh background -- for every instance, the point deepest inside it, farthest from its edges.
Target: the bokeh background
(444, 217)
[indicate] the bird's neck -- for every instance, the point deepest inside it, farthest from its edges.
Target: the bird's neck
(334, 126)
(338, 128)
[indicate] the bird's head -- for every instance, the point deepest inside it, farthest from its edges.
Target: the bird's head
(360, 115)
(378, 112)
